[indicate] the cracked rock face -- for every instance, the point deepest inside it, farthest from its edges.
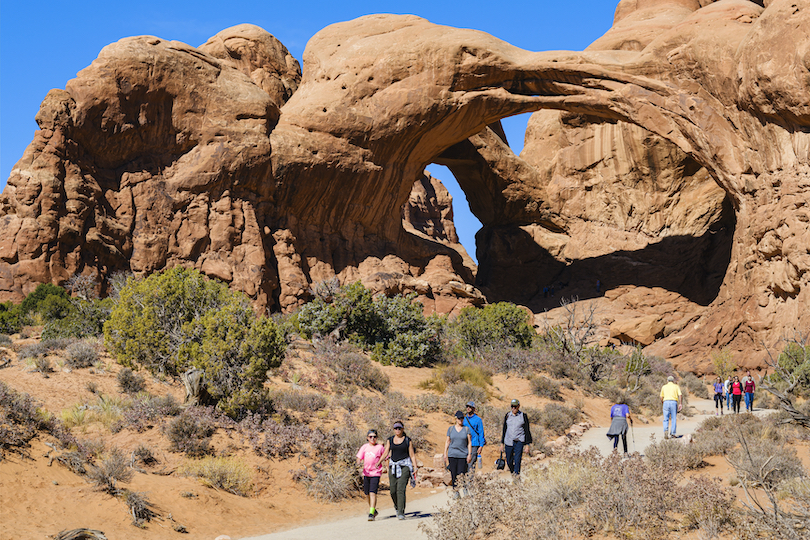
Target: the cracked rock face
(669, 162)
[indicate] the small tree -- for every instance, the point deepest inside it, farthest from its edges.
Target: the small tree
(495, 325)
(723, 363)
(791, 373)
(179, 319)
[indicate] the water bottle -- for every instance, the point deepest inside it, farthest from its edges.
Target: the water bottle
(480, 465)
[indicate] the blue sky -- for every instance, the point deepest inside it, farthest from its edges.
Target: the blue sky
(44, 44)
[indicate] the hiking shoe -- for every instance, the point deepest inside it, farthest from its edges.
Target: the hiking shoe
(371, 517)
(400, 516)
(666, 435)
(375, 512)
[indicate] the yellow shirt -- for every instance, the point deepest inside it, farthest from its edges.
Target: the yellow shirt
(671, 391)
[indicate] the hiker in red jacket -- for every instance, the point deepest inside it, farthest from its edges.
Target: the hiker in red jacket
(748, 387)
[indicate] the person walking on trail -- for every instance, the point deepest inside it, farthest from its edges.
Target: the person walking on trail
(748, 388)
(457, 449)
(516, 437)
(736, 394)
(619, 416)
(672, 402)
(718, 396)
(476, 425)
(727, 390)
(369, 455)
(401, 467)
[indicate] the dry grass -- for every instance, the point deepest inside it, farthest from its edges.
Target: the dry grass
(226, 473)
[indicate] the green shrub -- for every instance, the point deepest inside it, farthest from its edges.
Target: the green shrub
(496, 325)
(33, 301)
(178, 319)
(9, 318)
(84, 318)
(395, 329)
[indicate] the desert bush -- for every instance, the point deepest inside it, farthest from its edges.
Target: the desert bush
(394, 329)
(178, 319)
(189, 434)
(765, 462)
(341, 444)
(708, 506)
(146, 411)
(5, 341)
(75, 416)
(299, 401)
(130, 382)
(42, 364)
(723, 363)
(458, 394)
(517, 360)
(457, 373)
(139, 506)
(493, 326)
(226, 473)
(330, 482)
(674, 455)
(545, 388)
(694, 386)
(581, 494)
(81, 354)
(558, 418)
(349, 366)
(144, 455)
(271, 439)
(111, 470)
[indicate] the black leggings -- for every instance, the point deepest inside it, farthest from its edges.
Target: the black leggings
(616, 441)
(458, 465)
(718, 401)
(735, 402)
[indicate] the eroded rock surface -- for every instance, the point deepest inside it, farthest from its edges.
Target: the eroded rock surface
(673, 154)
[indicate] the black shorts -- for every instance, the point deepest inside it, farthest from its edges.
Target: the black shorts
(371, 484)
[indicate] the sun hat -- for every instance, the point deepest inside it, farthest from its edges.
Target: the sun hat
(459, 415)
(471, 404)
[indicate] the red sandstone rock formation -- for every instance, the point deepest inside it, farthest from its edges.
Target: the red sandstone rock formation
(680, 161)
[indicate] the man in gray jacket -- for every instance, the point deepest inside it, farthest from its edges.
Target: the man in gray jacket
(516, 437)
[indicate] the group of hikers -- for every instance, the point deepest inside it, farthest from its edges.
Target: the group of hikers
(465, 439)
(732, 392)
(462, 453)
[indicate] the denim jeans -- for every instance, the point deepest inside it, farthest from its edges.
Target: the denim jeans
(514, 455)
(728, 401)
(670, 413)
(749, 401)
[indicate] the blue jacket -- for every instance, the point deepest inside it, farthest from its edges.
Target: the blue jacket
(476, 426)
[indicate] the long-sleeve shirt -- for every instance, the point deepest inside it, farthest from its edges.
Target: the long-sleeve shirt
(476, 426)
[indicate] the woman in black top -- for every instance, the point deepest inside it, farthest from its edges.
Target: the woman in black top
(401, 467)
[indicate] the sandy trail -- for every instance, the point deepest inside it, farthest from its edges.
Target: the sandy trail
(641, 435)
(421, 510)
(359, 528)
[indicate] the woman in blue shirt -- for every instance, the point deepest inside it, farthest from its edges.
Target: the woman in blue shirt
(619, 414)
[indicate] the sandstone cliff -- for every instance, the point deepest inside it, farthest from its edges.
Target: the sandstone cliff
(672, 155)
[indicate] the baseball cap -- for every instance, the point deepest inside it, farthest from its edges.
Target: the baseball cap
(471, 404)
(459, 414)
(515, 403)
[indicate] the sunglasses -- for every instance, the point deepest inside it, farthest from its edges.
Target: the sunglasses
(397, 428)
(372, 436)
